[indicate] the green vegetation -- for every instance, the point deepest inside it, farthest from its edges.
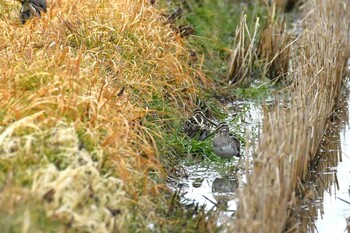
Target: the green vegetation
(258, 91)
(94, 95)
(214, 23)
(85, 104)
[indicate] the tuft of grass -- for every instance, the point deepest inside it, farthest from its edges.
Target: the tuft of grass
(258, 90)
(185, 147)
(274, 47)
(243, 54)
(214, 25)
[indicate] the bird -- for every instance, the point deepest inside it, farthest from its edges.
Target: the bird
(31, 8)
(225, 145)
(198, 126)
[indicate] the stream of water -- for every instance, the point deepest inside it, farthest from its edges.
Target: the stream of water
(215, 184)
(334, 209)
(215, 187)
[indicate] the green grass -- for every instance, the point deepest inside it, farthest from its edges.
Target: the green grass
(257, 91)
(29, 217)
(185, 146)
(215, 22)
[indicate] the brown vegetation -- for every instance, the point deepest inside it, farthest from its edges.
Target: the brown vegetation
(320, 180)
(243, 54)
(291, 136)
(83, 92)
(274, 47)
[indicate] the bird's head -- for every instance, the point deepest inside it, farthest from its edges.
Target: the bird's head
(222, 127)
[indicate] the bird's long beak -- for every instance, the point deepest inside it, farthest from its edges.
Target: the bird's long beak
(209, 135)
(212, 133)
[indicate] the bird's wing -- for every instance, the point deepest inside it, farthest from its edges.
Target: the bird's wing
(237, 142)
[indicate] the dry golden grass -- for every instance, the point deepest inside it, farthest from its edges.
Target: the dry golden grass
(77, 89)
(272, 50)
(243, 54)
(322, 177)
(274, 47)
(291, 136)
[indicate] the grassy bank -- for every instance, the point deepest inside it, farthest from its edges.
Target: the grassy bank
(87, 94)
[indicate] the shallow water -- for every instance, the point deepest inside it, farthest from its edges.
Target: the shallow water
(323, 209)
(215, 184)
(332, 213)
(334, 208)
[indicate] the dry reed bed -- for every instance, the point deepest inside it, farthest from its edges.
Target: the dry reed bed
(76, 87)
(292, 135)
(321, 179)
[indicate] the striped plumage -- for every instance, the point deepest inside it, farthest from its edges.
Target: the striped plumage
(225, 145)
(198, 126)
(31, 8)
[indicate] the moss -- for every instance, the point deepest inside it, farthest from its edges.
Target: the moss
(29, 217)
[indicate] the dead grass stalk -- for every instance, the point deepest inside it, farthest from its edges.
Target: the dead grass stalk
(274, 47)
(243, 54)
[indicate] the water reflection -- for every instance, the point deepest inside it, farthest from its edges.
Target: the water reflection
(215, 184)
(224, 189)
(206, 185)
(225, 185)
(320, 202)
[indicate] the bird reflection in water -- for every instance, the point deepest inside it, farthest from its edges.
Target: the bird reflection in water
(223, 190)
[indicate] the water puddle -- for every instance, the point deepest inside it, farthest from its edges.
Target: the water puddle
(333, 212)
(324, 205)
(335, 207)
(215, 184)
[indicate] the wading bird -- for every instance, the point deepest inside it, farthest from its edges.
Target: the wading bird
(225, 145)
(31, 8)
(198, 126)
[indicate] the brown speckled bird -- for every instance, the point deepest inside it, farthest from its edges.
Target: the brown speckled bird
(31, 8)
(198, 126)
